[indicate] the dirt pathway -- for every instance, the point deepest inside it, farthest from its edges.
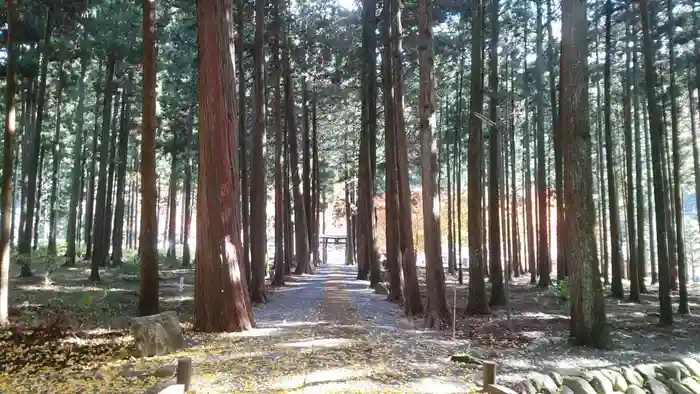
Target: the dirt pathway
(327, 333)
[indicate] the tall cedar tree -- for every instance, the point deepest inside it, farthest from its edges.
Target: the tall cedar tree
(368, 263)
(677, 199)
(148, 241)
(99, 254)
(56, 156)
(639, 195)
(412, 301)
(221, 292)
(242, 140)
(544, 266)
(392, 194)
(436, 308)
(78, 157)
(531, 263)
(300, 229)
(498, 296)
(656, 133)
(588, 324)
(629, 149)
(278, 279)
(123, 145)
(186, 254)
(258, 187)
(32, 173)
(8, 153)
(615, 250)
(477, 303)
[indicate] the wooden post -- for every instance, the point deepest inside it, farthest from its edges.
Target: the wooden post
(489, 374)
(184, 372)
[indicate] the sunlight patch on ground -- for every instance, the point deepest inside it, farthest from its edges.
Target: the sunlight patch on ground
(319, 381)
(285, 323)
(436, 385)
(256, 332)
(336, 374)
(543, 316)
(320, 343)
(68, 289)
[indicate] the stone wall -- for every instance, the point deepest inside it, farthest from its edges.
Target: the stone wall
(676, 377)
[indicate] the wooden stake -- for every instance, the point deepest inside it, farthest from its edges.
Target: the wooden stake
(184, 372)
(489, 374)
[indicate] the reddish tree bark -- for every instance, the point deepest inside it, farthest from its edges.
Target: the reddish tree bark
(221, 291)
(258, 188)
(148, 241)
(436, 308)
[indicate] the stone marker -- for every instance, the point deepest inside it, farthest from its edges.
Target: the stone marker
(157, 335)
(381, 288)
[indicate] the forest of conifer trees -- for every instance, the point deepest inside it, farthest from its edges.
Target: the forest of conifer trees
(466, 160)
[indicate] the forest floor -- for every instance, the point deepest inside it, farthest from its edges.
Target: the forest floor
(321, 333)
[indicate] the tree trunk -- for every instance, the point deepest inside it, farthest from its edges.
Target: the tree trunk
(90, 198)
(477, 303)
(148, 234)
(39, 189)
(118, 235)
(633, 260)
(242, 138)
(588, 322)
(366, 177)
(601, 180)
(615, 252)
(306, 157)
(107, 235)
(436, 308)
(172, 199)
(275, 72)
(514, 197)
(391, 212)
(451, 255)
(33, 159)
(349, 255)
(650, 196)
(657, 134)
(258, 180)
(412, 301)
(76, 172)
(458, 165)
(288, 226)
(56, 156)
(99, 255)
(544, 265)
(186, 254)
(8, 162)
(303, 265)
(639, 196)
(221, 293)
(677, 195)
(562, 273)
(498, 294)
(527, 187)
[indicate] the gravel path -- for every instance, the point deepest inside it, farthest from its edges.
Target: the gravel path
(328, 333)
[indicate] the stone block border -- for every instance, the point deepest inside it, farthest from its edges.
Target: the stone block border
(680, 376)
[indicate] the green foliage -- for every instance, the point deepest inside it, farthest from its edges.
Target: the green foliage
(560, 290)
